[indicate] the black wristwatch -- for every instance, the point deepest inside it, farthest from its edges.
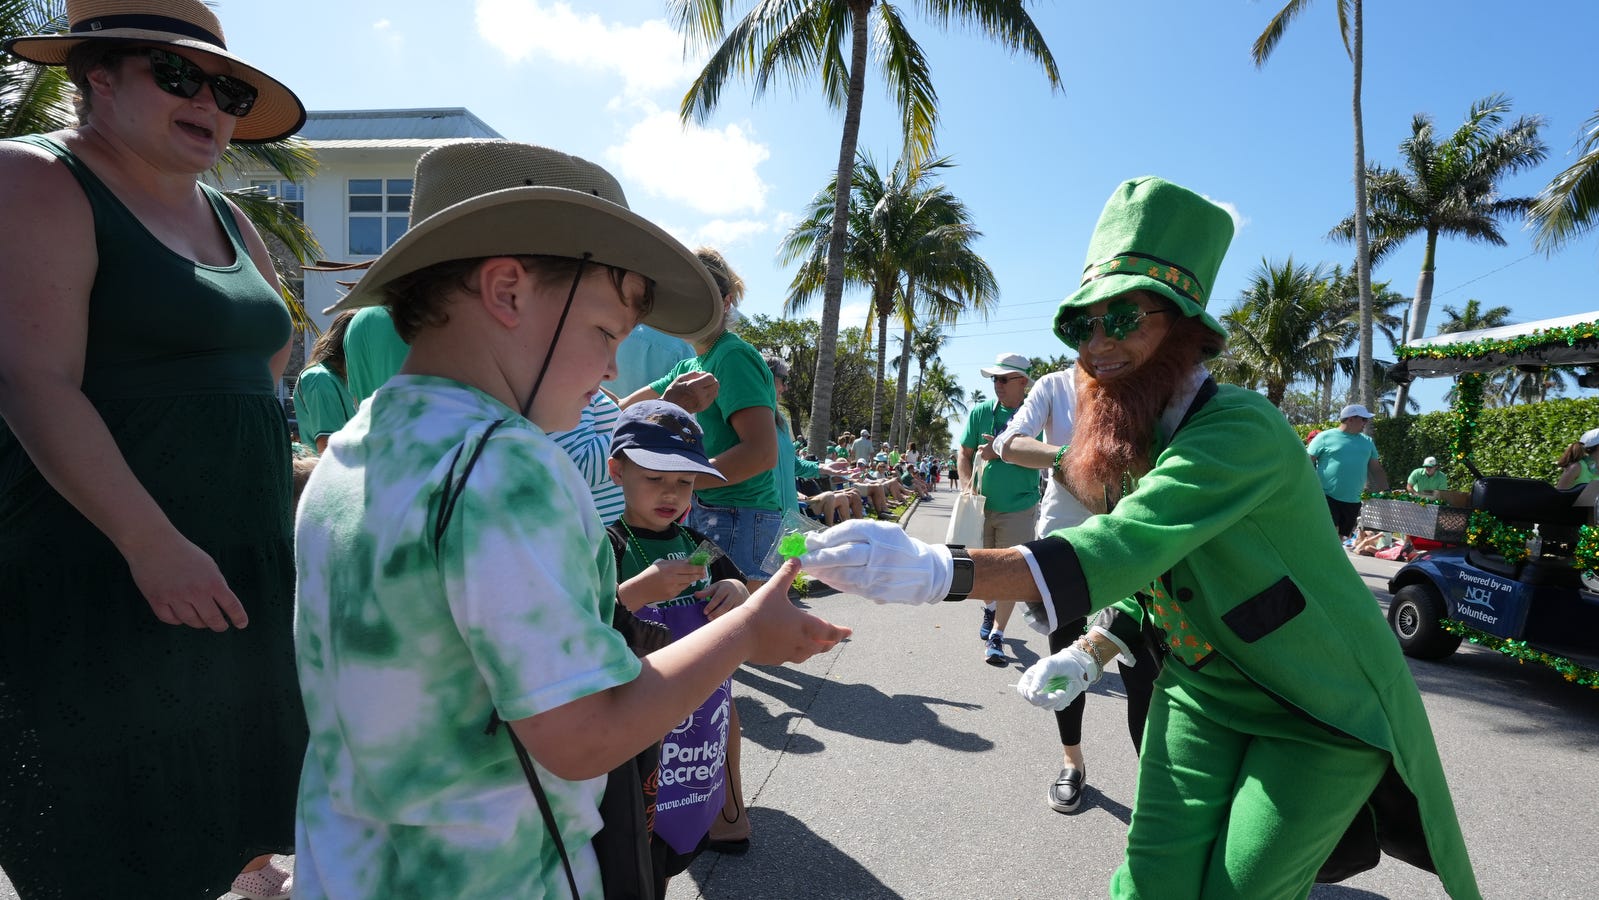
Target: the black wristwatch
(961, 585)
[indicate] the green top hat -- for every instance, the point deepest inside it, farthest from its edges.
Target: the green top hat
(1154, 236)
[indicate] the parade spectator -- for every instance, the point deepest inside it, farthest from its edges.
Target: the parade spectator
(644, 356)
(589, 447)
(373, 351)
(153, 729)
(1010, 492)
(1286, 737)
(656, 456)
(1345, 458)
(1050, 410)
(1427, 478)
(322, 401)
(1580, 463)
(862, 448)
(447, 549)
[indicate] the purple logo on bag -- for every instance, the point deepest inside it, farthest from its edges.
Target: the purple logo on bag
(694, 756)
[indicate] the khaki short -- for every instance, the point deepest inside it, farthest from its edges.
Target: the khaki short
(1002, 530)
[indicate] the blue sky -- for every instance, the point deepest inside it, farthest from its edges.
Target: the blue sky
(1162, 87)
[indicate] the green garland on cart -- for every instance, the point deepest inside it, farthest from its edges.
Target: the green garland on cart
(1520, 652)
(1486, 531)
(1406, 496)
(1586, 554)
(1570, 335)
(1470, 388)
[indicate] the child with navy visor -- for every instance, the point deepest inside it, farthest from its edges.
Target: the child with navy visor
(657, 454)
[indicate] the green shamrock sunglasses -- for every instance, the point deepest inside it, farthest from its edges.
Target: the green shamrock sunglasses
(1119, 321)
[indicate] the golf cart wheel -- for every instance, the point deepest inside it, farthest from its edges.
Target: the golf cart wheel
(1414, 616)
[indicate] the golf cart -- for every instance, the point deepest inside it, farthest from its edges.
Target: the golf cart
(1529, 601)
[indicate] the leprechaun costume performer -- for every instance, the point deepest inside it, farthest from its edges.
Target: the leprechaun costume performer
(1286, 741)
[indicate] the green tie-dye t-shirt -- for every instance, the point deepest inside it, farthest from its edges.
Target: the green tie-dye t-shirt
(404, 653)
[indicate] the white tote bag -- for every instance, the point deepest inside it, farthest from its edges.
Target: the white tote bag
(966, 520)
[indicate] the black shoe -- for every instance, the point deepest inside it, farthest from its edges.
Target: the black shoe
(994, 650)
(1066, 794)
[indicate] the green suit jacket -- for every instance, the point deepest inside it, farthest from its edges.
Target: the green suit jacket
(1237, 517)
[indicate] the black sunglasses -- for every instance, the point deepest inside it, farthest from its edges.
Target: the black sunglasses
(1118, 324)
(182, 78)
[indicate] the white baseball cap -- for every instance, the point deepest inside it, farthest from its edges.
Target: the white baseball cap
(1006, 364)
(1354, 410)
(1590, 438)
(1430, 461)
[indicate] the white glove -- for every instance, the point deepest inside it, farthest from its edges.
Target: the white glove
(1055, 681)
(879, 561)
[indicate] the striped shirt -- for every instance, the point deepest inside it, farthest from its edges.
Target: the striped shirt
(589, 446)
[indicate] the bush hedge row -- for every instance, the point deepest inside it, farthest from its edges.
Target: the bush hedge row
(1524, 441)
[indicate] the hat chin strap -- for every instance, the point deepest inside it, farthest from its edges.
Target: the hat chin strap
(549, 354)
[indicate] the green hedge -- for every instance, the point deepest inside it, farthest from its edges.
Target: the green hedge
(1525, 441)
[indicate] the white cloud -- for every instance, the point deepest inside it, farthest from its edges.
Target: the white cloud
(728, 233)
(386, 33)
(712, 171)
(647, 56)
(1239, 219)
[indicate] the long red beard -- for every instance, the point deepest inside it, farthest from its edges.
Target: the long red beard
(1115, 420)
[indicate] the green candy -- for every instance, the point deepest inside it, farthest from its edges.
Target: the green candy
(791, 545)
(1058, 683)
(700, 558)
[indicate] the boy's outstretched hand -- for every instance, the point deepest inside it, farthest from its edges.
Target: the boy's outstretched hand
(782, 632)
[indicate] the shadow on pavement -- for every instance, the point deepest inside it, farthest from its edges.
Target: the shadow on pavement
(786, 860)
(1339, 892)
(856, 709)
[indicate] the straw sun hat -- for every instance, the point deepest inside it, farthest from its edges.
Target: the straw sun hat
(500, 198)
(189, 24)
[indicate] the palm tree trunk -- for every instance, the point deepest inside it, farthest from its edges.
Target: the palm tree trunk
(1420, 305)
(833, 293)
(901, 391)
(1365, 389)
(878, 391)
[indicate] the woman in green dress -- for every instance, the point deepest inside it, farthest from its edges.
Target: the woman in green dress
(151, 730)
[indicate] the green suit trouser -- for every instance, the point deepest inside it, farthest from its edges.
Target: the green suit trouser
(1238, 796)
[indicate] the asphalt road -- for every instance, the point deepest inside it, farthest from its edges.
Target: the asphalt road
(901, 766)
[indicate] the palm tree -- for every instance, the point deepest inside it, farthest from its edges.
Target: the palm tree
(39, 99)
(1281, 329)
(1450, 187)
(1351, 14)
(940, 395)
(1570, 204)
(904, 233)
(1473, 317)
(802, 39)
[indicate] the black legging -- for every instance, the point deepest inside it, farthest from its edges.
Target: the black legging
(1138, 680)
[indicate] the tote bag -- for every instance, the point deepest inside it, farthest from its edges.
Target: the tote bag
(966, 520)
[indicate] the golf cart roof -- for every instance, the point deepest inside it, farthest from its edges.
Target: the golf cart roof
(1490, 349)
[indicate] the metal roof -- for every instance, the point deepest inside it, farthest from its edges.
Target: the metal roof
(387, 143)
(409, 125)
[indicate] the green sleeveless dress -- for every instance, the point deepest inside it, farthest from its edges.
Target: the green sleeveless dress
(137, 758)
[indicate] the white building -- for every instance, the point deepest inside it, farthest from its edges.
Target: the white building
(359, 202)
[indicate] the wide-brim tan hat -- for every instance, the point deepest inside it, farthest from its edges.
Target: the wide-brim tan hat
(188, 24)
(500, 198)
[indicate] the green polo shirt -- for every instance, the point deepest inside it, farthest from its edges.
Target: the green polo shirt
(1437, 481)
(744, 381)
(1006, 488)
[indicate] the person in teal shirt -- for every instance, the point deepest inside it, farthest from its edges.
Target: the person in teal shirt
(322, 401)
(1427, 478)
(373, 352)
(1010, 493)
(1345, 459)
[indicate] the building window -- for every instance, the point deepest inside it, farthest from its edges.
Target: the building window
(379, 212)
(289, 193)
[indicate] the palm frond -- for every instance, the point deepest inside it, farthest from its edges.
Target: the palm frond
(1268, 40)
(1568, 206)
